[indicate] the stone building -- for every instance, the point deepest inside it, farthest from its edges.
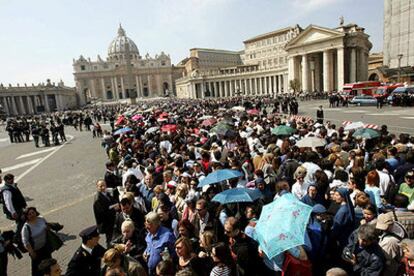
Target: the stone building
(263, 70)
(317, 58)
(125, 74)
(324, 59)
(399, 40)
(34, 99)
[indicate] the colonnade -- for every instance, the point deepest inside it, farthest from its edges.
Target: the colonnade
(19, 105)
(220, 88)
(118, 85)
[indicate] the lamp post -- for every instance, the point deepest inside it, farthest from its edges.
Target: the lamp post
(399, 67)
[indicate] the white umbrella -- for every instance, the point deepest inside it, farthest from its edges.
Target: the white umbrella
(311, 142)
(354, 125)
(152, 129)
(238, 108)
(205, 117)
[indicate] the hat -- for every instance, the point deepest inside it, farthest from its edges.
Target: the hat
(185, 174)
(384, 221)
(172, 184)
(259, 180)
(410, 174)
(318, 209)
(89, 233)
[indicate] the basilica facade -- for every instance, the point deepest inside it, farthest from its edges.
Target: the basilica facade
(314, 59)
(124, 75)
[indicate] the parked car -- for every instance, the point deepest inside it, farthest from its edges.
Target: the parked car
(364, 100)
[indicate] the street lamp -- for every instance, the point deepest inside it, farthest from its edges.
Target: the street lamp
(399, 67)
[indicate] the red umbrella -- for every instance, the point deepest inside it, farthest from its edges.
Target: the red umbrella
(164, 114)
(120, 120)
(253, 111)
(208, 122)
(137, 117)
(169, 128)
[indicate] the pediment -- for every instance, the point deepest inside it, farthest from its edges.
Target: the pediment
(313, 34)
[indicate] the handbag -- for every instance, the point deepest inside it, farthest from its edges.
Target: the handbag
(53, 240)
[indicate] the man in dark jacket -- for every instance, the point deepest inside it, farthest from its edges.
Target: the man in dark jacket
(104, 209)
(87, 259)
(364, 253)
(245, 249)
(128, 211)
(13, 203)
(319, 115)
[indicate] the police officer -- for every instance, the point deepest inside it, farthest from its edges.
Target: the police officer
(13, 203)
(87, 259)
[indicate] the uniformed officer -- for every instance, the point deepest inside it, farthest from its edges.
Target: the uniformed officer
(87, 259)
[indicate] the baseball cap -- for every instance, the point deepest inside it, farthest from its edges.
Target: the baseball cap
(384, 221)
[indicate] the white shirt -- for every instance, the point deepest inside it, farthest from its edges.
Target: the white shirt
(311, 168)
(300, 190)
(7, 196)
(132, 171)
(384, 181)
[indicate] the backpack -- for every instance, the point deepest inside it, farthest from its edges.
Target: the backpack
(391, 191)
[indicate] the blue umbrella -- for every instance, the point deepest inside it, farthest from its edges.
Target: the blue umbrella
(122, 130)
(282, 225)
(218, 176)
(237, 195)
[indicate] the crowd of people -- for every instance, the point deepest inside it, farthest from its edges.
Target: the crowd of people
(159, 218)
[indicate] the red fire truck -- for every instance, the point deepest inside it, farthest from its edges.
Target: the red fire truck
(360, 88)
(386, 89)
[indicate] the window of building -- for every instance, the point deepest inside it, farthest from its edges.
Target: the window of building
(95, 68)
(162, 63)
(82, 67)
(280, 60)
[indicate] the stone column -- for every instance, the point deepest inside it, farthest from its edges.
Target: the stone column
(14, 106)
(5, 105)
(317, 74)
(291, 68)
(260, 88)
(340, 68)
(305, 73)
(103, 89)
(138, 86)
(141, 86)
(285, 83)
(116, 88)
(352, 66)
(326, 71)
(123, 88)
(279, 84)
(21, 104)
(47, 108)
(250, 81)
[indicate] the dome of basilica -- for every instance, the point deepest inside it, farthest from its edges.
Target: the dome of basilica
(118, 47)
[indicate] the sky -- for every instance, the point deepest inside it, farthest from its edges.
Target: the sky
(39, 39)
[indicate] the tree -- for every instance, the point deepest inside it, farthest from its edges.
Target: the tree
(294, 85)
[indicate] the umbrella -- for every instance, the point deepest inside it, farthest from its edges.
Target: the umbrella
(160, 120)
(169, 128)
(311, 142)
(208, 122)
(152, 129)
(205, 117)
(122, 130)
(283, 130)
(164, 114)
(120, 120)
(367, 133)
(218, 176)
(253, 111)
(282, 225)
(221, 129)
(237, 195)
(354, 125)
(238, 108)
(137, 117)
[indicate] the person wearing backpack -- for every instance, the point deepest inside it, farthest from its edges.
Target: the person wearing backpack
(392, 233)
